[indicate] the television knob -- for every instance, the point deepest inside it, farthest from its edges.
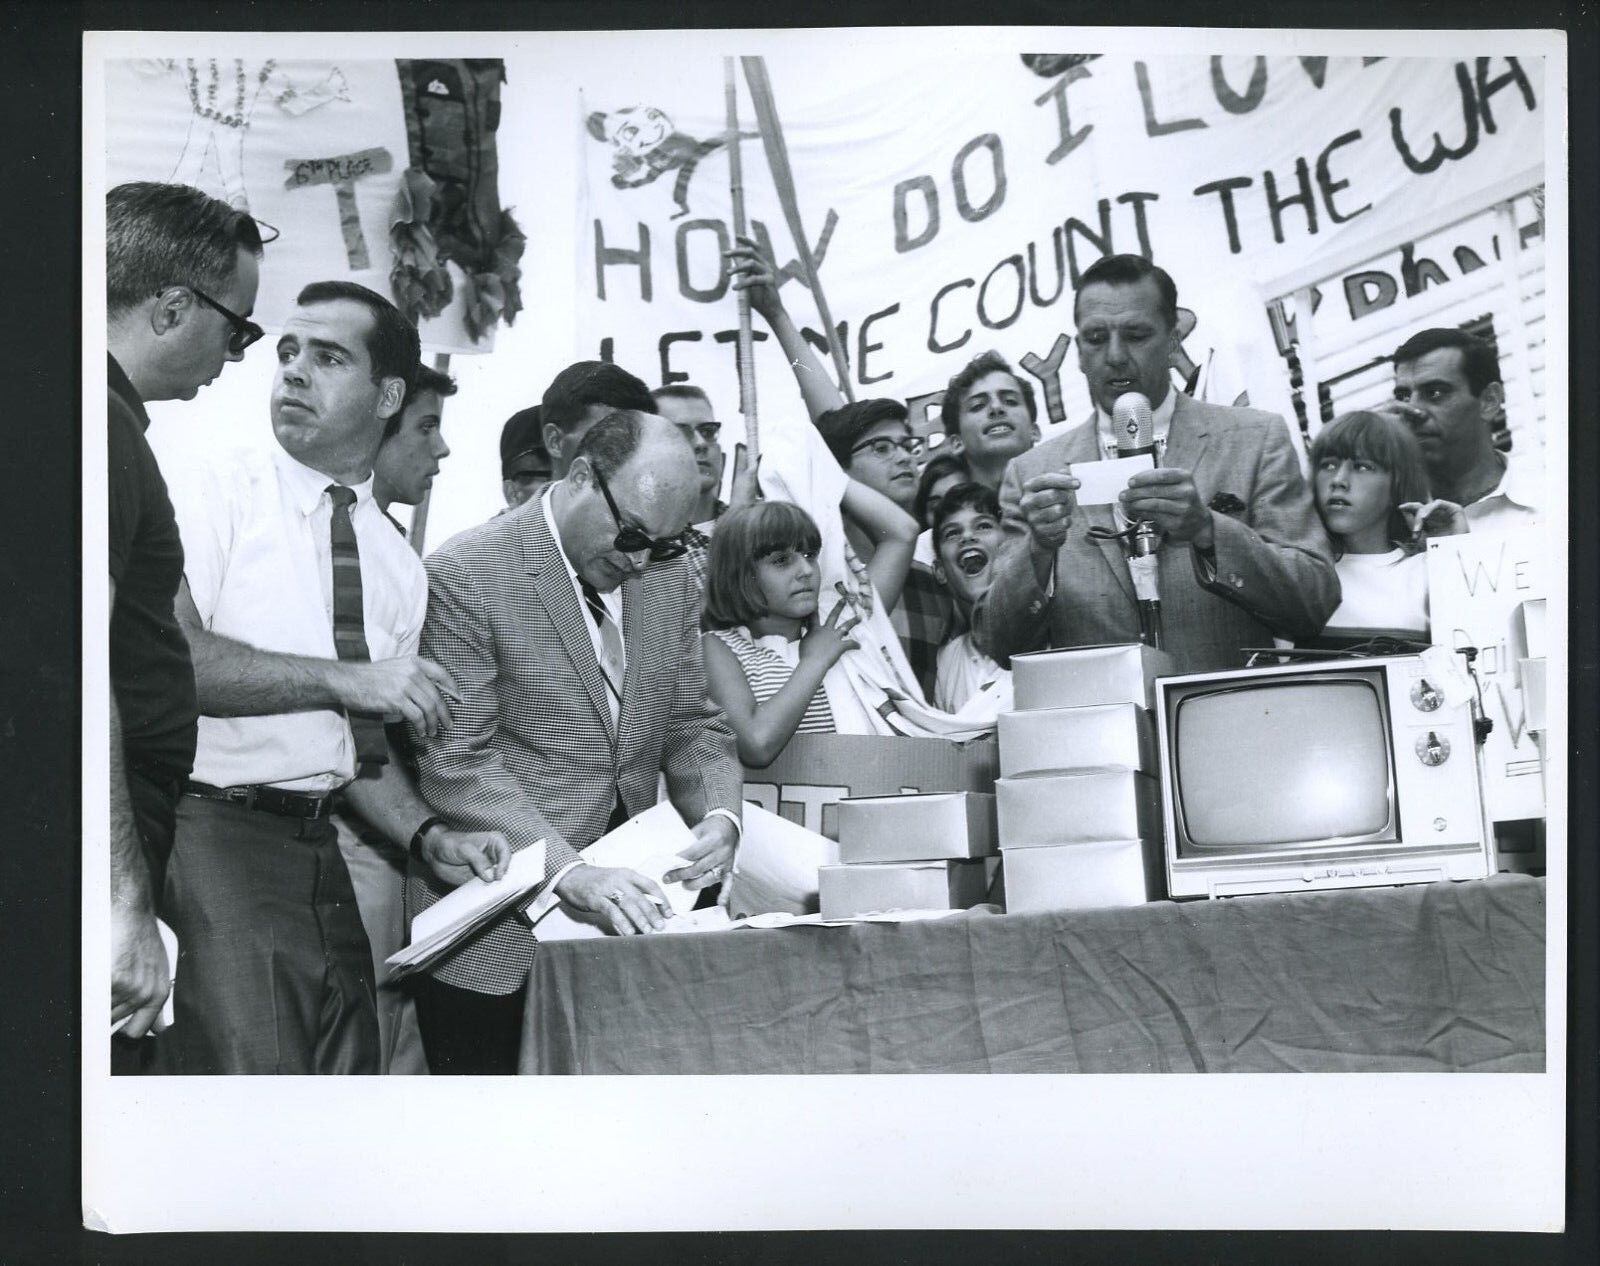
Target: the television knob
(1439, 824)
(1425, 696)
(1432, 749)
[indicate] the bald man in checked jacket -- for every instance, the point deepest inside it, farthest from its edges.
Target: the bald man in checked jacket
(571, 626)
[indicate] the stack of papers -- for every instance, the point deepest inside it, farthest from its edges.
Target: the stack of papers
(442, 927)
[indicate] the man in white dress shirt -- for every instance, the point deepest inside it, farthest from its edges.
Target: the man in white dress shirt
(1447, 387)
(302, 607)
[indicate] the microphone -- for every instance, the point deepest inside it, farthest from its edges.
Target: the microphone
(1134, 425)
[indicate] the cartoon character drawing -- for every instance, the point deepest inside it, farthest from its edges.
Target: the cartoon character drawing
(220, 118)
(646, 145)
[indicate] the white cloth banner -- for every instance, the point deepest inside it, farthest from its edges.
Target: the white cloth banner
(951, 202)
(316, 149)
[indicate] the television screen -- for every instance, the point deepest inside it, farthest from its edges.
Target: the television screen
(1282, 764)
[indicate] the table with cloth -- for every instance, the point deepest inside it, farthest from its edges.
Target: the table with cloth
(1429, 978)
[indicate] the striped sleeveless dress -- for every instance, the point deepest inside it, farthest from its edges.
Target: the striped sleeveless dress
(767, 669)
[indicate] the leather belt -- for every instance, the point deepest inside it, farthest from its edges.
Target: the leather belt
(285, 804)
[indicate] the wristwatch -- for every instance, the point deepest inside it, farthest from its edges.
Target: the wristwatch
(416, 839)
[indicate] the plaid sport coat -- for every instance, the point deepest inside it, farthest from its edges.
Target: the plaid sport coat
(530, 750)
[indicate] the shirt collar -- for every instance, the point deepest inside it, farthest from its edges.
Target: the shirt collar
(1519, 484)
(1160, 423)
(307, 487)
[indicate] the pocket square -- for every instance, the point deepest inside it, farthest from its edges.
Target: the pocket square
(1227, 503)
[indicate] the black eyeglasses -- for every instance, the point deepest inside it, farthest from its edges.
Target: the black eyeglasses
(245, 331)
(630, 540)
(883, 446)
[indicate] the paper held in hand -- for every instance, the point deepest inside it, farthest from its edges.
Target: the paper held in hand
(1101, 483)
(442, 927)
(652, 843)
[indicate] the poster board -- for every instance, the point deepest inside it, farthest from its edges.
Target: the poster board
(1476, 585)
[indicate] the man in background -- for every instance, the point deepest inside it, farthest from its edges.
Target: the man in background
(990, 415)
(1447, 388)
(409, 457)
(689, 409)
(413, 445)
(181, 277)
(524, 460)
(578, 397)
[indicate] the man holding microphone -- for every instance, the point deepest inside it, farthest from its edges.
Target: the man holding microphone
(1244, 556)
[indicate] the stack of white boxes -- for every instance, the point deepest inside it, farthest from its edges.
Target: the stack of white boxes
(1078, 800)
(911, 852)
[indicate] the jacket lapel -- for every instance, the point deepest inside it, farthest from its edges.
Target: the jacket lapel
(556, 595)
(1187, 439)
(1083, 445)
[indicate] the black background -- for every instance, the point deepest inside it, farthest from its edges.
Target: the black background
(41, 54)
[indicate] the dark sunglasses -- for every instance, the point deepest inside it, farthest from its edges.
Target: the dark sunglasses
(245, 331)
(630, 540)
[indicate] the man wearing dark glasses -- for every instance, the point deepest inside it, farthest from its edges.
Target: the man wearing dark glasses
(180, 268)
(689, 409)
(571, 629)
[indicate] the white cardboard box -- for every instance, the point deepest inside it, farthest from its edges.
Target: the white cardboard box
(916, 828)
(1077, 808)
(1092, 875)
(1105, 736)
(870, 887)
(1086, 676)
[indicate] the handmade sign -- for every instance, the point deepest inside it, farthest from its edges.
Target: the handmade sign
(951, 204)
(374, 171)
(1477, 584)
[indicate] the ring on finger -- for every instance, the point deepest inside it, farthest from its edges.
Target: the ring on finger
(615, 895)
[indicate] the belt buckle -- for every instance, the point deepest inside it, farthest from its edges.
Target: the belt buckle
(243, 796)
(316, 804)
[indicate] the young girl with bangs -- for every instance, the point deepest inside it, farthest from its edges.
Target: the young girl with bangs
(766, 654)
(1371, 489)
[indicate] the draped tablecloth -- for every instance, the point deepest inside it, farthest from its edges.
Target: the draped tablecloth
(1429, 978)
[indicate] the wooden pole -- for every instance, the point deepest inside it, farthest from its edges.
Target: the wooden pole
(755, 73)
(419, 512)
(746, 345)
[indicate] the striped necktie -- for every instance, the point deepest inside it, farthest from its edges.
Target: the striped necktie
(349, 626)
(610, 638)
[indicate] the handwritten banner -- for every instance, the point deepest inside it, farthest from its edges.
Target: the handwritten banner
(952, 203)
(316, 149)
